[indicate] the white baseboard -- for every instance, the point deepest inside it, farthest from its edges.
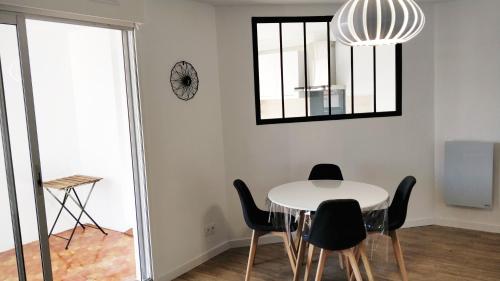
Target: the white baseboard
(245, 242)
(219, 249)
(191, 264)
(493, 228)
(418, 222)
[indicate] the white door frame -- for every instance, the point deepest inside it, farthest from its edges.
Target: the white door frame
(138, 154)
(136, 139)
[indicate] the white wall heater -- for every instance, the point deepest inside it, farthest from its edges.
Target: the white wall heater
(468, 174)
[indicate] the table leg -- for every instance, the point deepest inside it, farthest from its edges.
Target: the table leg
(59, 213)
(300, 249)
(300, 229)
(300, 258)
(63, 206)
(289, 250)
(87, 214)
(82, 207)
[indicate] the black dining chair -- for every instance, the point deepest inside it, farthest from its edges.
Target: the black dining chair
(397, 217)
(326, 172)
(337, 227)
(263, 222)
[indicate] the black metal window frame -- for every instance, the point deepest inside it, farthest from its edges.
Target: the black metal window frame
(307, 118)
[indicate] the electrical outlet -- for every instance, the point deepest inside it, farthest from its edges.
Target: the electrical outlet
(209, 229)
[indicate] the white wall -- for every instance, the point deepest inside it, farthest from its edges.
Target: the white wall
(467, 40)
(381, 151)
(183, 140)
(102, 124)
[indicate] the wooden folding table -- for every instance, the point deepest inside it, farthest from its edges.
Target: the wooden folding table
(68, 185)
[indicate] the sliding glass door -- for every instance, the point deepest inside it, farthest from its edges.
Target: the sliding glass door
(99, 69)
(24, 253)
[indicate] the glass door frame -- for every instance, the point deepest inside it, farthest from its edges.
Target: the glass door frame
(136, 142)
(9, 167)
(19, 21)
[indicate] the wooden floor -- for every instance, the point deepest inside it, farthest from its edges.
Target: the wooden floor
(431, 253)
(91, 256)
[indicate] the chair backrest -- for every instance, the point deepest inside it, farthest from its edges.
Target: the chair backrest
(337, 225)
(399, 205)
(250, 209)
(326, 172)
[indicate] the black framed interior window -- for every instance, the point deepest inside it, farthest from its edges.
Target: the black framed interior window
(302, 74)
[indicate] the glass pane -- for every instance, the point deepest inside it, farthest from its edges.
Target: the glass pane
(386, 78)
(269, 70)
(293, 69)
(341, 91)
(14, 99)
(363, 80)
(317, 68)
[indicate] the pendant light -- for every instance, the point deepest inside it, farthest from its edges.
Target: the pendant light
(377, 22)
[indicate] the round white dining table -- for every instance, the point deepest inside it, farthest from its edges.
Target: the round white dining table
(308, 195)
(296, 198)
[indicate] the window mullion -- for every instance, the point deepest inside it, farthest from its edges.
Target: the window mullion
(281, 67)
(374, 79)
(306, 86)
(399, 78)
(352, 80)
(329, 69)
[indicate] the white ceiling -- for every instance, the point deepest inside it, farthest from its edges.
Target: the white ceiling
(249, 2)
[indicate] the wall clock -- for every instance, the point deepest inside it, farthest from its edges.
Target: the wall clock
(184, 80)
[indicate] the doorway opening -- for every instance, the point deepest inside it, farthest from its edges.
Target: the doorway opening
(86, 104)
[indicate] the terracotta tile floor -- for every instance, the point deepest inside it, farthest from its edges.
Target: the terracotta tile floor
(91, 256)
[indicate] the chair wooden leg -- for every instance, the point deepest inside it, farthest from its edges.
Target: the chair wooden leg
(306, 247)
(347, 267)
(300, 259)
(251, 255)
(310, 256)
(354, 264)
(366, 262)
(357, 253)
(398, 252)
(321, 264)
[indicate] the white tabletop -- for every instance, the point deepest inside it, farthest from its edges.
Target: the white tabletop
(308, 195)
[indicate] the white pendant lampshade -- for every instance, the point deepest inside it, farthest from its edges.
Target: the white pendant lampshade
(377, 22)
